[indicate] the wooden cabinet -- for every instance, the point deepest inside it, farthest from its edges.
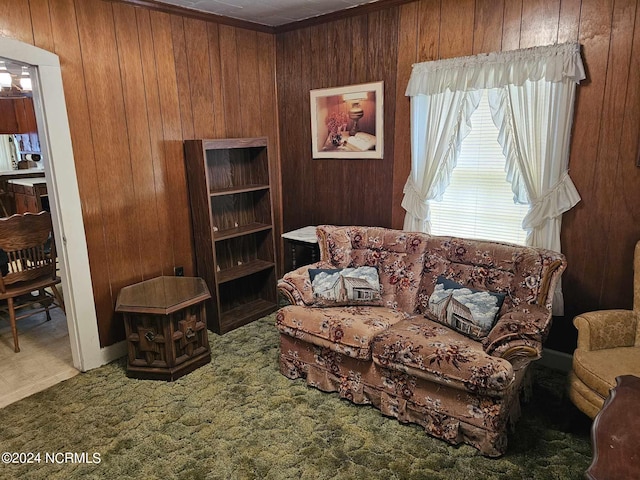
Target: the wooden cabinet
(30, 194)
(25, 203)
(232, 218)
(17, 116)
(164, 323)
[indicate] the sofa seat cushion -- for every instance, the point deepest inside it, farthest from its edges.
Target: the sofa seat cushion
(346, 330)
(433, 352)
(598, 369)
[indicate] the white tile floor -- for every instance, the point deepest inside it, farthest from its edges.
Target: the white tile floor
(44, 358)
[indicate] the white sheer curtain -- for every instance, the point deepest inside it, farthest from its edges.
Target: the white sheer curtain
(531, 93)
(439, 123)
(535, 123)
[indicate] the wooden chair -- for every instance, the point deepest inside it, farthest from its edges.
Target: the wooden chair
(29, 265)
(5, 197)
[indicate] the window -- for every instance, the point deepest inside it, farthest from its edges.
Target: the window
(479, 202)
(532, 91)
(7, 152)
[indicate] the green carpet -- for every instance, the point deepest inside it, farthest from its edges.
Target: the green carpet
(238, 418)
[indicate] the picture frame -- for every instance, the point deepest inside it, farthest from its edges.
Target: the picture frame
(347, 122)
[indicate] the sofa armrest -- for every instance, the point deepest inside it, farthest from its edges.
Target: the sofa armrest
(606, 329)
(296, 286)
(518, 334)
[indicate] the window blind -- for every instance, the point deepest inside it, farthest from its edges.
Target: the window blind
(479, 202)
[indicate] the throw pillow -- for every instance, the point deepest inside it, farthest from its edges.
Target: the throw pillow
(469, 311)
(345, 286)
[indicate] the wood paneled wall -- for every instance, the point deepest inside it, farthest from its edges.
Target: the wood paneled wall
(598, 234)
(137, 83)
(344, 52)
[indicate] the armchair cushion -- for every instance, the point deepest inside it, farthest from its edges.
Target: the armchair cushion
(598, 369)
(608, 347)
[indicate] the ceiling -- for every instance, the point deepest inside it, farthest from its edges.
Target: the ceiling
(268, 12)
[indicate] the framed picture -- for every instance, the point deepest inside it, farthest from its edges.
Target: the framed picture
(346, 122)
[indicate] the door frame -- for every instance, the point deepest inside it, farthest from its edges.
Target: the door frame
(64, 196)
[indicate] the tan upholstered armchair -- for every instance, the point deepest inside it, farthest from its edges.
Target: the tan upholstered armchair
(608, 346)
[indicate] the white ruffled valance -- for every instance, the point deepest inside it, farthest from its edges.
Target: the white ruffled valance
(554, 63)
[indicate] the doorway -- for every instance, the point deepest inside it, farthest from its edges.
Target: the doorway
(64, 198)
(45, 357)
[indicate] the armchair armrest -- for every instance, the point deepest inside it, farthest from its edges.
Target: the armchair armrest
(517, 335)
(296, 286)
(606, 329)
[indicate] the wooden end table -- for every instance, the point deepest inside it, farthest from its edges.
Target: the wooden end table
(615, 434)
(165, 325)
(302, 237)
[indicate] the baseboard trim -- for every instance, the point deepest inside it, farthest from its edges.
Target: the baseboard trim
(557, 360)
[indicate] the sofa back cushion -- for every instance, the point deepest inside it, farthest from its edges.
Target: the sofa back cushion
(521, 273)
(409, 264)
(398, 256)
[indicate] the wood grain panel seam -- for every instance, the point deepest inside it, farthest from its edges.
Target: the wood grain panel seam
(180, 19)
(119, 51)
(180, 63)
(520, 26)
(93, 149)
(158, 154)
(182, 239)
(438, 54)
(33, 35)
(215, 60)
(228, 97)
(33, 32)
(604, 281)
(117, 230)
(127, 143)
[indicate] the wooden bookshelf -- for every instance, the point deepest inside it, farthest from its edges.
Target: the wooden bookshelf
(232, 216)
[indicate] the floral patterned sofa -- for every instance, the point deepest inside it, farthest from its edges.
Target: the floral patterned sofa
(397, 356)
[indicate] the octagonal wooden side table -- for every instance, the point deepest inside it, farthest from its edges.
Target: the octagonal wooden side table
(165, 325)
